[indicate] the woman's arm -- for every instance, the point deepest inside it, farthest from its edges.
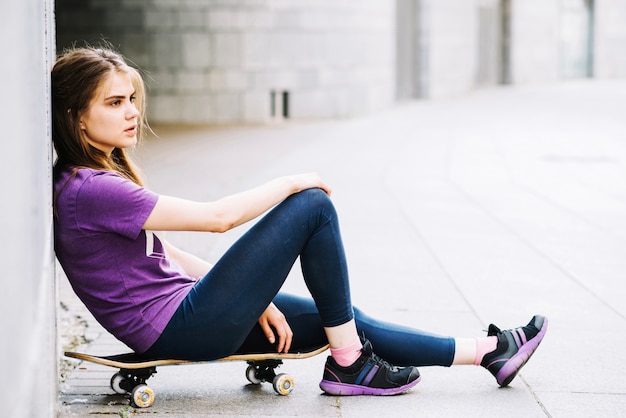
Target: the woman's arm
(174, 214)
(193, 266)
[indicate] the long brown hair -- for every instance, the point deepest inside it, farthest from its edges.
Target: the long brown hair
(76, 78)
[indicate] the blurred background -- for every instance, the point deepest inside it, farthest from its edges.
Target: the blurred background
(245, 61)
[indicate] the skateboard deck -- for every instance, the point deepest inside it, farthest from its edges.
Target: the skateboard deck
(135, 370)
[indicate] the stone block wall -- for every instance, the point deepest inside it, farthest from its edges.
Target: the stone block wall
(248, 61)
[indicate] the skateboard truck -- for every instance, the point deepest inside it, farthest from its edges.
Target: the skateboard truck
(133, 382)
(260, 371)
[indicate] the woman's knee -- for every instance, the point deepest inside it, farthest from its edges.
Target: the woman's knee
(293, 305)
(314, 194)
(318, 199)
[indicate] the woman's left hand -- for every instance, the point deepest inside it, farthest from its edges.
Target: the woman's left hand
(274, 324)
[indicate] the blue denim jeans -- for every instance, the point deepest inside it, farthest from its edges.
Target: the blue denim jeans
(219, 316)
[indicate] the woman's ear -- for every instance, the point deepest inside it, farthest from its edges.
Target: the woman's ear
(81, 124)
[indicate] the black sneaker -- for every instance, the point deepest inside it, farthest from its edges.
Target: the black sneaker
(514, 349)
(369, 375)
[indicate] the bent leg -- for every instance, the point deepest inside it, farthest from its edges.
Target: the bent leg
(217, 315)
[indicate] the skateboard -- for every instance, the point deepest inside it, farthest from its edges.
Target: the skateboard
(134, 371)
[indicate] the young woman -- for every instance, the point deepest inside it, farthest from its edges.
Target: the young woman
(165, 303)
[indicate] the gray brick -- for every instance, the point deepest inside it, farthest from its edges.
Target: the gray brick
(227, 50)
(196, 50)
(313, 104)
(166, 4)
(159, 19)
(332, 77)
(143, 4)
(304, 49)
(308, 78)
(166, 108)
(124, 18)
(80, 19)
(189, 81)
(190, 19)
(165, 50)
(257, 51)
(256, 106)
(105, 4)
(135, 48)
(257, 3)
(227, 107)
(197, 4)
(317, 20)
(197, 108)
(258, 19)
(225, 19)
(287, 19)
(161, 82)
(274, 79)
(220, 80)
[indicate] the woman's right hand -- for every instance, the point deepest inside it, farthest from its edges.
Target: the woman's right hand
(274, 324)
(310, 181)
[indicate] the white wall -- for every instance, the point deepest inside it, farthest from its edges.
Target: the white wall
(610, 39)
(450, 43)
(28, 387)
(534, 41)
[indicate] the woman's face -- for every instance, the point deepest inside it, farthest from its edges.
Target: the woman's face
(110, 121)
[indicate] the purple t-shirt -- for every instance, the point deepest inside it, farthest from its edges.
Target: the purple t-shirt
(120, 271)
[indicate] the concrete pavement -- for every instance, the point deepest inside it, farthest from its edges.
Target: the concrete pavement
(455, 213)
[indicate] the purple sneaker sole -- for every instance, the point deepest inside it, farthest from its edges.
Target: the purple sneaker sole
(345, 389)
(510, 369)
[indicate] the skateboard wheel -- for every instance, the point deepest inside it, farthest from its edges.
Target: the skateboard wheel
(251, 375)
(116, 383)
(283, 384)
(142, 396)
